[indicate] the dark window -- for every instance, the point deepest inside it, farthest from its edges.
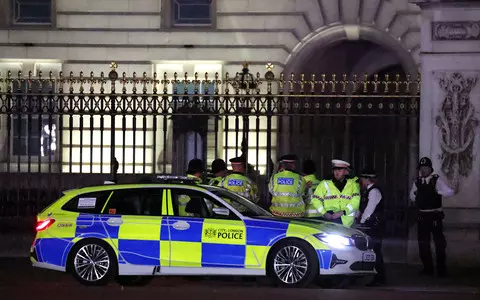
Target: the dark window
(32, 11)
(135, 202)
(91, 203)
(191, 203)
(33, 134)
(192, 12)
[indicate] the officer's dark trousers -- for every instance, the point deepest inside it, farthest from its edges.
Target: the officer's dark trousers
(431, 223)
(376, 234)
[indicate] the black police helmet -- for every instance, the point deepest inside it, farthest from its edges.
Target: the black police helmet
(195, 166)
(425, 162)
(218, 165)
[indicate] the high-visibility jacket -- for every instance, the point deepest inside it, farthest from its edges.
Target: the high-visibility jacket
(184, 199)
(333, 200)
(215, 180)
(287, 188)
(197, 179)
(241, 185)
(312, 204)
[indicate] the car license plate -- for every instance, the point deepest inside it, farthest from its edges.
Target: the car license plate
(369, 257)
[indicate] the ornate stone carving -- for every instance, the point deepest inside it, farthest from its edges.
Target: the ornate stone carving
(457, 124)
(455, 31)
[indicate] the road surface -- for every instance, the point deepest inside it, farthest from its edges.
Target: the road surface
(18, 280)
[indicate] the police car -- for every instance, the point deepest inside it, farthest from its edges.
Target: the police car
(133, 232)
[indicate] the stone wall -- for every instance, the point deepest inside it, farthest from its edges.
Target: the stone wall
(450, 110)
(256, 31)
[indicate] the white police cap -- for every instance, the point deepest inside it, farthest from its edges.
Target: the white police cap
(337, 163)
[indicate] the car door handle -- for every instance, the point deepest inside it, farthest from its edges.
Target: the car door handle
(114, 221)
(181, 225)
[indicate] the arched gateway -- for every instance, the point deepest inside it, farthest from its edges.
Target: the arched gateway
(367, 119)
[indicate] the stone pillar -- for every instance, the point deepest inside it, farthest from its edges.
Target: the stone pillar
(449, 110)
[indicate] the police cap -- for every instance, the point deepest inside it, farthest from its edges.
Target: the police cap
(340, 164)
(368, 172)
(238, 160)
(288, 158)
(218, 165)
(195, 165)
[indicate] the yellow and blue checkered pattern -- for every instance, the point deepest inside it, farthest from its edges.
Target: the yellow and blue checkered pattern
(171, 241)
(154, 241)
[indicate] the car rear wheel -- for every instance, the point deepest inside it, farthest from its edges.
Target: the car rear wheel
(92, 262)
(293, 263)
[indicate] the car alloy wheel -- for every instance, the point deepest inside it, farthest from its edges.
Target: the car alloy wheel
(293, 263)
(290, 264)
(91, 262)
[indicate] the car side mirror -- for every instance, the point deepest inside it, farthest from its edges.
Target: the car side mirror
(221, 211)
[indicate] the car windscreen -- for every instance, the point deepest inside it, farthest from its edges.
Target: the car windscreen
(243, 205)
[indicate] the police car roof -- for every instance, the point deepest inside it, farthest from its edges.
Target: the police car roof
(99, 188)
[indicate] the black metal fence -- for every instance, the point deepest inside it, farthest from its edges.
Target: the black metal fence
(63, 132)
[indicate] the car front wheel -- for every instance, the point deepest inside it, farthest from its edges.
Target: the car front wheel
(92, 262)
(293, 263)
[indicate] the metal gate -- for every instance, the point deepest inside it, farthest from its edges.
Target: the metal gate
(65, 131)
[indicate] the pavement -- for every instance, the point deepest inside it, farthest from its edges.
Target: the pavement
(18, 278)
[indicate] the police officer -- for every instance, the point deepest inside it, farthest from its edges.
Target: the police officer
(371, 215)
(195, 170)
(287, 188)
(219, 170)
(237, 182)
(312, 205)
(426, 193)
(339, 197)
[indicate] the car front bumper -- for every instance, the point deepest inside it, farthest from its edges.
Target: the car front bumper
(351, 261)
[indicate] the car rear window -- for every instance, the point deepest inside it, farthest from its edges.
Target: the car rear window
(91, 203)
(136, 202)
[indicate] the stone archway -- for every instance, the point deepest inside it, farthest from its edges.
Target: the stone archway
(329, 36)
(373, 49)
(355, 49)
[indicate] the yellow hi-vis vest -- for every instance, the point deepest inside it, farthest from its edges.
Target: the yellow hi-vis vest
(215, 181)
(287, 189)
(313, 204)
(184, 199)
(332, 199)
(240, 185)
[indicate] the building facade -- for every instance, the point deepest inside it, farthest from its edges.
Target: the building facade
(197, 37)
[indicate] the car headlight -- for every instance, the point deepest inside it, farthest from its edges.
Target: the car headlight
(334, 240)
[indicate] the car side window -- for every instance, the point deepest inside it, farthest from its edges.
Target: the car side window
(191, 203)
(135, 202)
(90, 203)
